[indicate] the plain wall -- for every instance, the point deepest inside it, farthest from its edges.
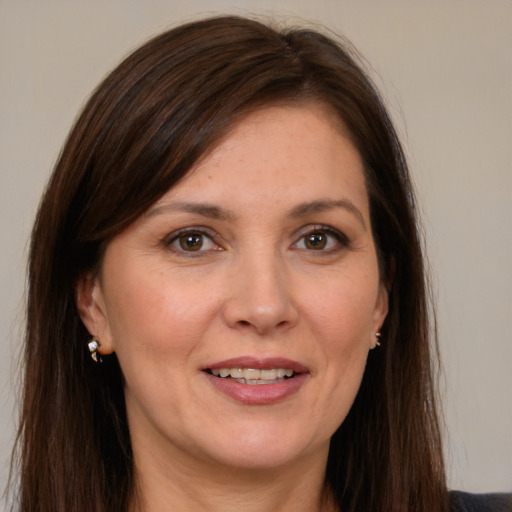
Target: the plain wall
(445, 67)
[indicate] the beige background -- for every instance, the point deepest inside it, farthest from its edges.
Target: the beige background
(445, 67)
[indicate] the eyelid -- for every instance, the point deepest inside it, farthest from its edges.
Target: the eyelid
(198, 230)
(323, 228)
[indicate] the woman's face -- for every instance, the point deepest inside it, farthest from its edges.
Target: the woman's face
(243, 304)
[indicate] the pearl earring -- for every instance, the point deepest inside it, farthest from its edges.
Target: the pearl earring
(93, 346)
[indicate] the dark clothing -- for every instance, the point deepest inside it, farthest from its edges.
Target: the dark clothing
(492, 502)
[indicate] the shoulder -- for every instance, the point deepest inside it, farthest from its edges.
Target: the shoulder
(492, 502)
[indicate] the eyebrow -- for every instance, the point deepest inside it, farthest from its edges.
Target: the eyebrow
(323, 205)
(210, 211)
(213, 211)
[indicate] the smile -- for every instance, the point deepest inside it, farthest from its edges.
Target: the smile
(253, 376)
(257, 381)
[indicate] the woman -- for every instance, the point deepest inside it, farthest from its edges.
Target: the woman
(227, 305)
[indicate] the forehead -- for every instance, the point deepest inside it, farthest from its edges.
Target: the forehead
(279, 154)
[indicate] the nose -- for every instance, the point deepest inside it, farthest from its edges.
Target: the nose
(260, 298)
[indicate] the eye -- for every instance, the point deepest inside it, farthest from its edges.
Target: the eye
(192, 241)
(316, 241)
(321, 239)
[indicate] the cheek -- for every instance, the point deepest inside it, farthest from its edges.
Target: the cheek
(156, 327)
(341, 320)
(154, 317)
(343, 309)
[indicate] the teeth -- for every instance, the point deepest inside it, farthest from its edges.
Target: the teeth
(252, 375)
(268, 374)
(236, 373)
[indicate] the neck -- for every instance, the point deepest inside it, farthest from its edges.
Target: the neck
(172, 484)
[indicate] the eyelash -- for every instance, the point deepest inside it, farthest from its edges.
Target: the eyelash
(341, 240)
(175, 237)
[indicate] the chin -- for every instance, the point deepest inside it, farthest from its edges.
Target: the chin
(265, 447)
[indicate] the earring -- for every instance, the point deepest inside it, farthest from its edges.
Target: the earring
(93, 346)
(377, 339)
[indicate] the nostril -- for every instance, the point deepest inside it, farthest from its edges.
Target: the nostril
(248, 315)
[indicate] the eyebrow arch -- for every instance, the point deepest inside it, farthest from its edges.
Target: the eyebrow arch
(210, 211)
(323, 205)
(213, 211)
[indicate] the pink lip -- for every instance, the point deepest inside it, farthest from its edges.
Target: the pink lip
(259, 364)
(263, 394)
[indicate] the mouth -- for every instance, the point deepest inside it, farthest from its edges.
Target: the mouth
(253, 376)
(257, 381)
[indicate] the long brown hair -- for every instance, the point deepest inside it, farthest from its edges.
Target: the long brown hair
(163, 108)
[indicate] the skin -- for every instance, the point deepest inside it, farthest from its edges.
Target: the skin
(255, 288)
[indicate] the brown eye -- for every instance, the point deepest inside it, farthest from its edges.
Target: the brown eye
(322, 239)
(315, 241)
(191, 241)
(188, 241)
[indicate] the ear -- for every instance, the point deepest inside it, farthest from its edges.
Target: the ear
(380, 312)
(93, 312)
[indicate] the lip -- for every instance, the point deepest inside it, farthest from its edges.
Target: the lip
(264, 394)
(258, 364)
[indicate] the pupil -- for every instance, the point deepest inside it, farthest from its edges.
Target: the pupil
(191, 242)
(316, 241)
